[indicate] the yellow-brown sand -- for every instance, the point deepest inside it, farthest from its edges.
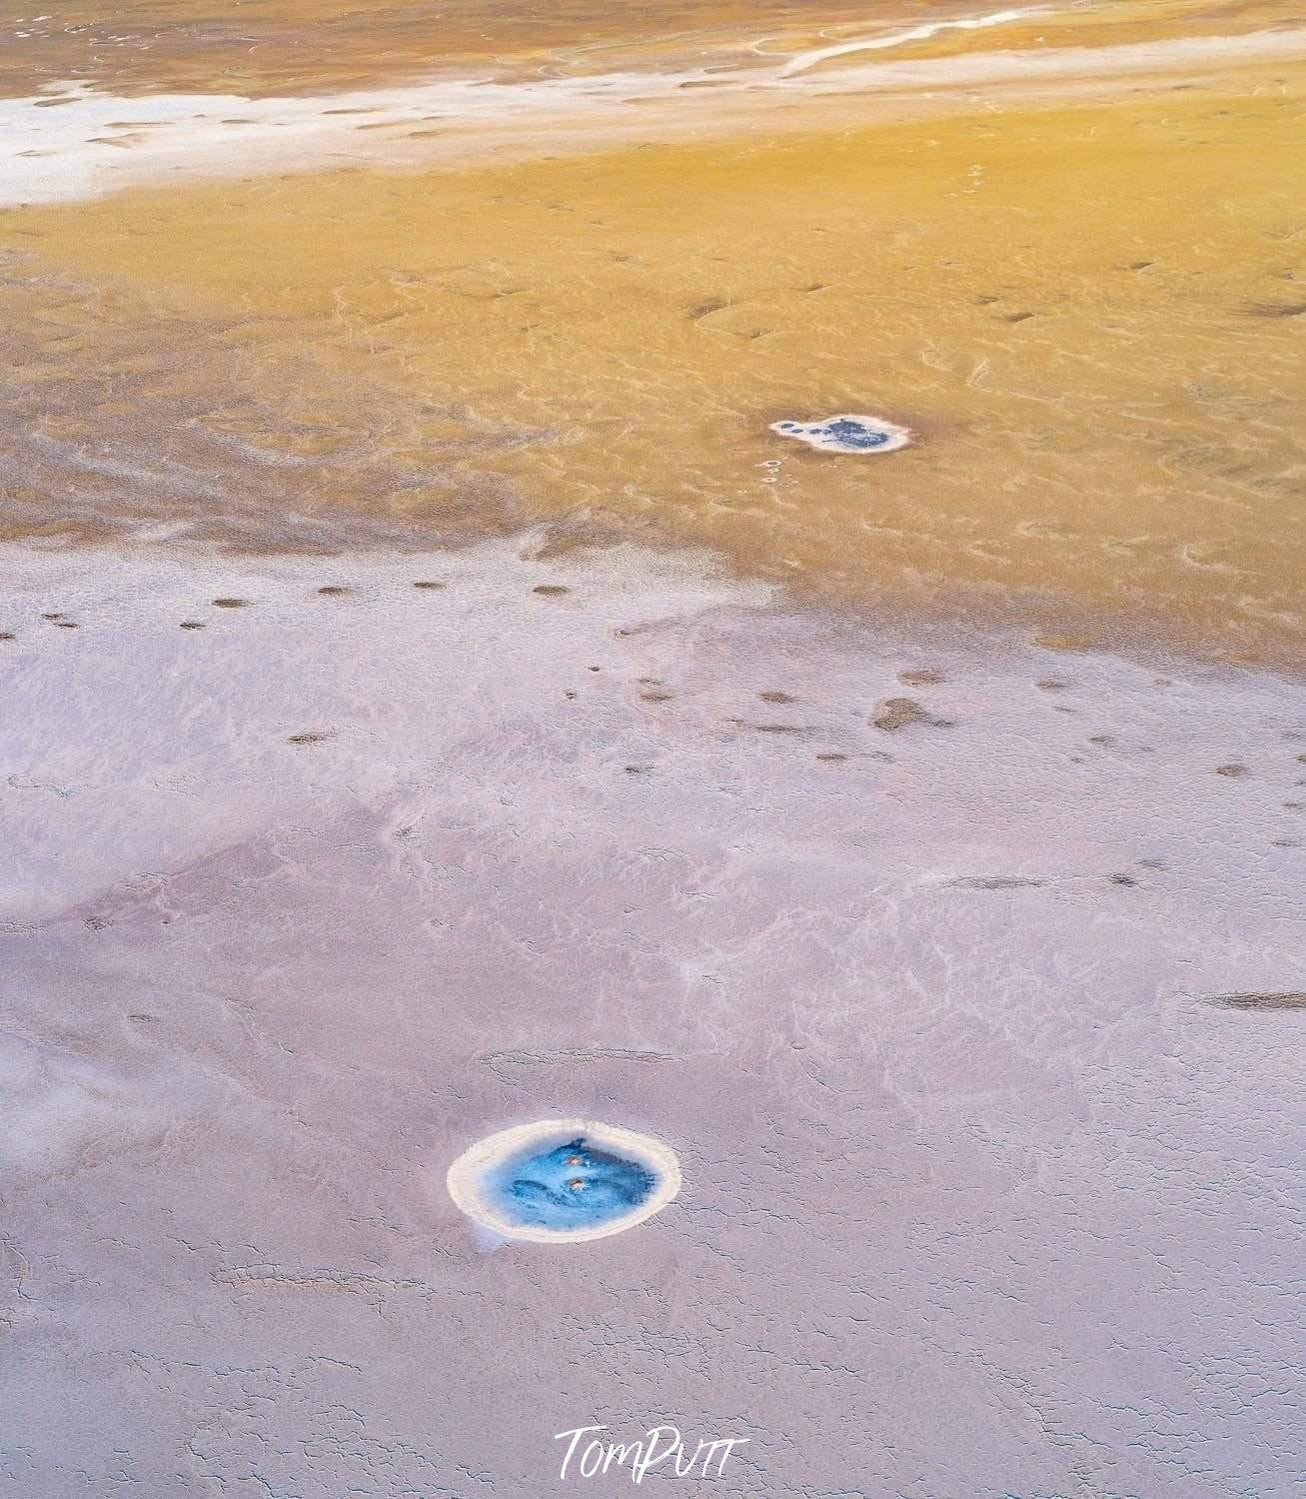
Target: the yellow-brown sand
(1091, 317)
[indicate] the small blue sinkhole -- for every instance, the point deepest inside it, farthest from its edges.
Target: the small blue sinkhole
(571, 1186)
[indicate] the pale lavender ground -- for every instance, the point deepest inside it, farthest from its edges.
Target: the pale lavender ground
(981, 1198)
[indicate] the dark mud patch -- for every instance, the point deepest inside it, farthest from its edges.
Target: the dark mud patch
(706, 308)
(1276, 309)
(1260, 999)
(896, 713)
(994, 882)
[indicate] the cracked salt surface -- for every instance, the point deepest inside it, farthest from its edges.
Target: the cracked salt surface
(257, 991)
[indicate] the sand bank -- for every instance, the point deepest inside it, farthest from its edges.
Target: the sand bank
(72, 141)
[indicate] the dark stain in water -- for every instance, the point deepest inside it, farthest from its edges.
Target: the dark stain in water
(1256, 999)
(705, 309)
(1277, 309)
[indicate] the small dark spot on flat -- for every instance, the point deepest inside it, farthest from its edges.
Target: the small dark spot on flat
(901, 712)
(65, 624)
(569, 694)
(191, 624)
(833, 756)
(7, 635)
(637, 770)
(1152, 864)
(778, 728)
(427, 583)
(927, 677)
(655, 697)
(1123, 879)
(1050, 684)
(144, 1019)
(1267, 999)
(1285, 843)
(594, 668)
(333, 590)
(1276, 309)
(1233, 771)
(897, 712)
(993, 882)
(705, 309)
(1105, 740)
(551, 590)
(1293, 806)
(308, 738)
(52, 616)
(1140, 265)
(1018, 317)
(986, 301)
(230, 603)
(776, 697)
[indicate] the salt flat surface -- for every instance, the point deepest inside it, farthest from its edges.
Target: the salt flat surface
(981, 1197)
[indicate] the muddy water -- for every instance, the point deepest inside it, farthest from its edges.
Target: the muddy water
(1091, 318)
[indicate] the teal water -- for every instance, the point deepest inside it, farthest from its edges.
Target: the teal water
(571, 1186)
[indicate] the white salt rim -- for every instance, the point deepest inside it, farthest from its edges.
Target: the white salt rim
(813, 435)
(465, 1175)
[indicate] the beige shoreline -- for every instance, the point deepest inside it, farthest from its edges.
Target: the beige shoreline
(462, 1179)
(95, 143)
